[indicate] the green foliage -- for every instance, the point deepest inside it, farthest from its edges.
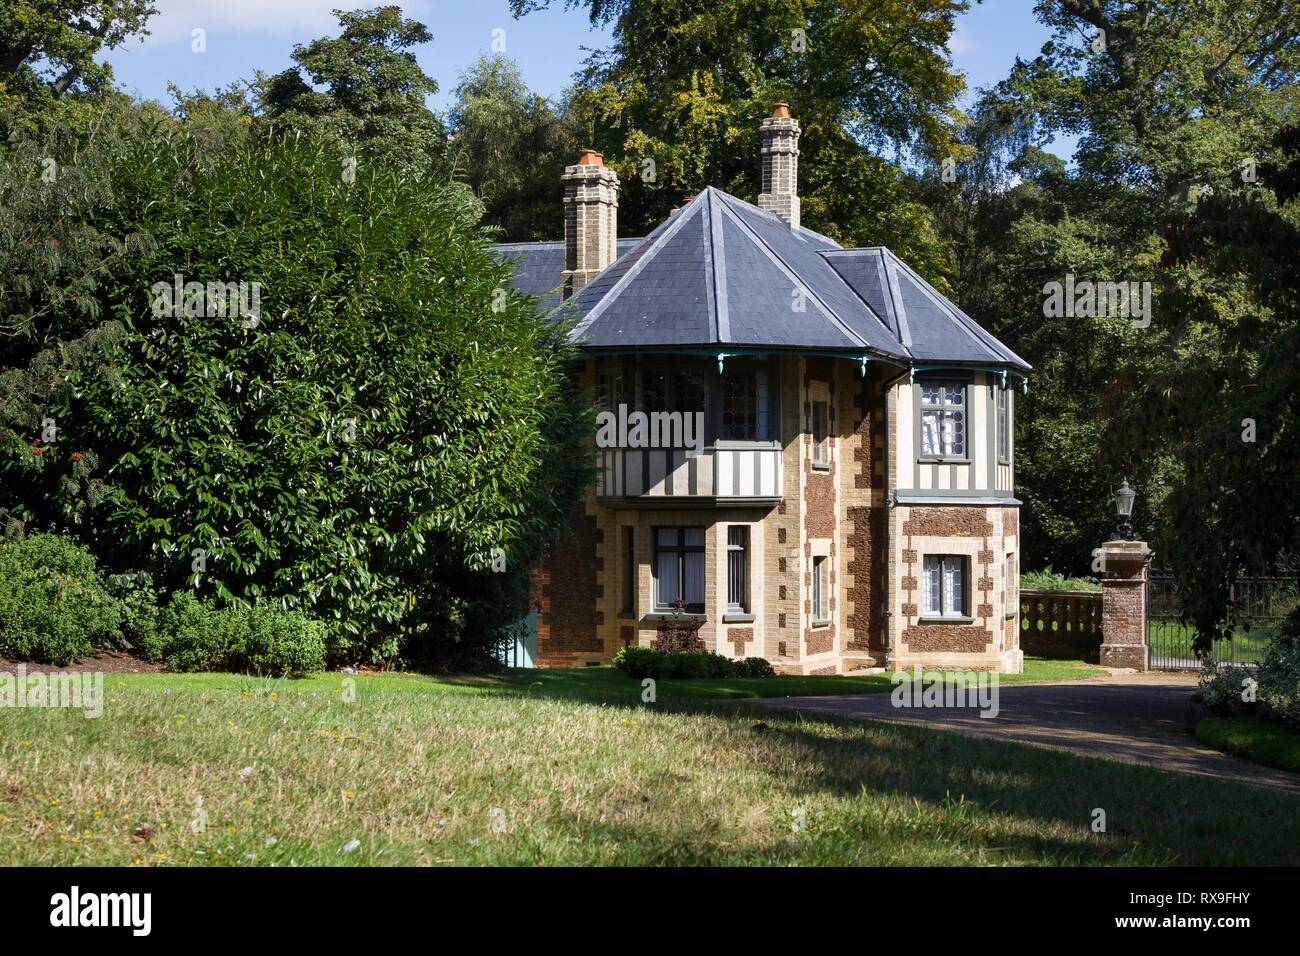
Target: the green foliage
(510, 146)
(196, 636)
(685, 85)
(1049, 580)
(364, 87)
(53, 607)
(49, 66)
(393, 416)
(643, 662)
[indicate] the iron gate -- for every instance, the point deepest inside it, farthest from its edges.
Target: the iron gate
(1262, 604)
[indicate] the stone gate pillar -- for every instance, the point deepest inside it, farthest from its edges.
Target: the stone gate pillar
(1124, 604)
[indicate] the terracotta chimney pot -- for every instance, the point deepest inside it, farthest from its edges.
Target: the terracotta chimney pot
(781, 110)
(591, 157)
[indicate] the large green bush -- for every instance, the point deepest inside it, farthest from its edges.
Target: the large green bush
(195, 636)
(393, 420)
(53, 607)
(643, 662)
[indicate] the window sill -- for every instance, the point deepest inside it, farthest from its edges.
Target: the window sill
(954, 619)
(738, 617)
(658, 616)
(941, 460)
(820, 624)
(821, 466)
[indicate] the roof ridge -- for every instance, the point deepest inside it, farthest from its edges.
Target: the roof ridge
(785, 267)
(967, 324)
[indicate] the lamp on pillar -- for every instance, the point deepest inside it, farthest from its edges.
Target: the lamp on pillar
(1124, 496)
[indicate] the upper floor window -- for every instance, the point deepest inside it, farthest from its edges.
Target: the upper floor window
(821, 442)
(1004, 426)
(943, 420)
(744, 401)
(676, 390)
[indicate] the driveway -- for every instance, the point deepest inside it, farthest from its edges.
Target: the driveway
(1135, 718)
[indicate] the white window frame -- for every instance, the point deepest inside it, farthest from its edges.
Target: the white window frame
(821, 584)
(940, 565)
(944, 410)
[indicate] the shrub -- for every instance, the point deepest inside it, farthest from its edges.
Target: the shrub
(642, 662)
(679, 633)
(1275, 683)
(754, 667)
(138, 603)
(194, 636)
(283, 643)
(360, 448)
(1049, 580)
(53, 607)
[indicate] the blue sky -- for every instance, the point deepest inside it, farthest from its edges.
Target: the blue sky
(245, 35)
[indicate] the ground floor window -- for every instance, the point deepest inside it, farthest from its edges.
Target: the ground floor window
(679, 568)
(821, 590)
(738, 568)
(629, 571)
(945, 585)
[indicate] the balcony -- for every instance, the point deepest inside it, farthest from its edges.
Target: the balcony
(729, 474)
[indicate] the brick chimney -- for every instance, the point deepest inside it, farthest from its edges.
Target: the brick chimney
(590, 220)
(780, 136)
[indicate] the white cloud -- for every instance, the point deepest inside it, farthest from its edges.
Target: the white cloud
(176, 19)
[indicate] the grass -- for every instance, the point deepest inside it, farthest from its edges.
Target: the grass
(1263, 741)
(610, 684)
(218, 769)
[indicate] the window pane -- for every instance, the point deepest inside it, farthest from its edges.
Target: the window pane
(666, 537)
(694, 537)
(930, 585)
(953, 395)
(930, 433)
(666, 577)
(817, 589)
(953, 593)
(694, 574)
(654, 392)
(688, 391)
(930, 394)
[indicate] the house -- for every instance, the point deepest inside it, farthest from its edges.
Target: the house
(807, 446)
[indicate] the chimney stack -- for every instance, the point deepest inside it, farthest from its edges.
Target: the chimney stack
(590, 220)
(780, 136)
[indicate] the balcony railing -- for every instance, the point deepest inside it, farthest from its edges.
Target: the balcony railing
(730, 474)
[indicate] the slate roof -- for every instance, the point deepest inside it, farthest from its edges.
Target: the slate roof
(720, 272)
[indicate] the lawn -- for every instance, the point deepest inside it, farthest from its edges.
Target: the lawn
(394, 769)
(1263, 741)
(610, 684)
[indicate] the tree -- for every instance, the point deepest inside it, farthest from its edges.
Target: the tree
(364, 86)
(47, 55)
(509, 145)
(676, 101)
(349, 412)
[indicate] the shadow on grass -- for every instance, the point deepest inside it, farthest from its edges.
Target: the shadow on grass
(978, 791)
(1157, 815)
